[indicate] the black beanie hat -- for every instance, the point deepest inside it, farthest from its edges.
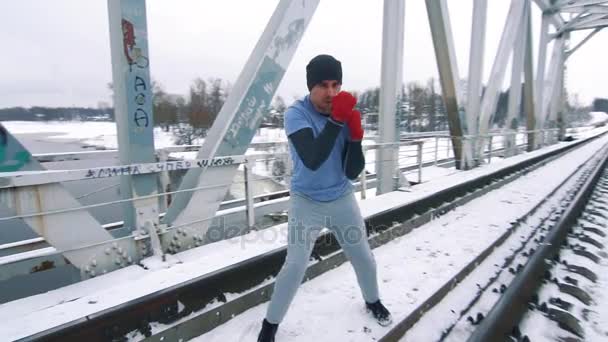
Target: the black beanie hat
(323, 68)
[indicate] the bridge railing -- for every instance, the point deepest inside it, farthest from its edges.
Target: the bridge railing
(25, 252)
(412, 155)
(252, 211)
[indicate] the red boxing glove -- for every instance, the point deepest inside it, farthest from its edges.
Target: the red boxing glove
(342, 106)
(354, 126)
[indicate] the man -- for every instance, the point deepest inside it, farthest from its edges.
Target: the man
(325, 134)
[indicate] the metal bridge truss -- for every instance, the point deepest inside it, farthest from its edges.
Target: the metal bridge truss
(37, 199)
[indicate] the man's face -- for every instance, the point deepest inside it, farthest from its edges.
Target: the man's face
(322, 93)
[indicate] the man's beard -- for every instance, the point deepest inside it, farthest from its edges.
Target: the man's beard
(326, 109)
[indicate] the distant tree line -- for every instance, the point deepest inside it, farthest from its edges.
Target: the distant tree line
(421, 108)
(189, 116)
(55, 113)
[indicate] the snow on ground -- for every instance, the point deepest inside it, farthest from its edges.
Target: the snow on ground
(85, 132)
(104, 133)
(43, 311)
(410, 268)
(267, 134)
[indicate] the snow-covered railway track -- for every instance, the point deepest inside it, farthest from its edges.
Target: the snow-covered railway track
(562, 286)
(489, 303)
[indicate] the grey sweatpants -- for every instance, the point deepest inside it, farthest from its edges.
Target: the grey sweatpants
(306, 220)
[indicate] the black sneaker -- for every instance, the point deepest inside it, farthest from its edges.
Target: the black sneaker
(380, 313)
(268, 331)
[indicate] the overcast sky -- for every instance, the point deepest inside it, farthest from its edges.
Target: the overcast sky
(56, 53)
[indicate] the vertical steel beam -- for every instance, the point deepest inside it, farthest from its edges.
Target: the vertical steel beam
(249, 203)
(560, 94)
(562, 117)
(441, 31)
(391, 79)
(240, 117)
(507, 41)
(562, 123)
(529, 108)
(474, 94)
(555, 106)
(133, 107)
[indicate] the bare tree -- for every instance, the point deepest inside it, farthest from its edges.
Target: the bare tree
(164, 109)
(417, 97)
(204, 104)
(198, 110)
(432, 105)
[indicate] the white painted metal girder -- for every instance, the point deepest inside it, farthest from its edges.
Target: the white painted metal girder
(507, 41)
(240, 116)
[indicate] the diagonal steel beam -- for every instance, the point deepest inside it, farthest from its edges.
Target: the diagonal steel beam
(445, 55)
(65, 231)
(507, 41)
(552, 82)
(569, 24)
(240, 117)
(588, 28)
(580, 21)
(517, 64)
(565, 4)
(582, 42)
(588, 9)
(592, 24)
(540, 76)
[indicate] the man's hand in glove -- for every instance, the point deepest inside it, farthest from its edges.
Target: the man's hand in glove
(342, 106)
(354, 126)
